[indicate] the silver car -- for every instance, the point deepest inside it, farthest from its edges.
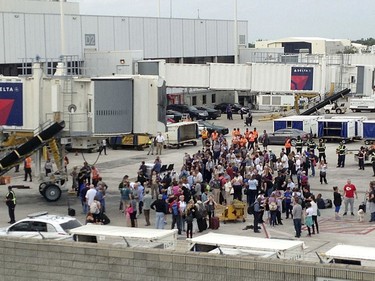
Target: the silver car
(279, 136)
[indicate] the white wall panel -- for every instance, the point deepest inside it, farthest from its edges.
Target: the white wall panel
(188, 38)
(106, 39)
(73, 36)
(270, 77)
(164, 38)
(211, 37)
(243, 30)
(230, 39)
(150, 37)
(52, 36)
(90, 26)
(230, 76)
(187, 75)
(121, 33)
(222, 37)
(2, 39)
(136, 34)
(200, 38)
(14, 37)
(177, 39)
(34, 25)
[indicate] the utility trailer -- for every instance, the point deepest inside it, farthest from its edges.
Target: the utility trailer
(181, 133)
(362, 104)
(307, 123)
(358, 123)
(337, 129)
(369, 131)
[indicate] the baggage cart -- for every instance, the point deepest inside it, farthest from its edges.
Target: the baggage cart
(233, 212)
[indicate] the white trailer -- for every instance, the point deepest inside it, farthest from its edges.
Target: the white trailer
(362, 104)
(180, 133)
(251, 246)
(126, 236)
(337, 129)
(348, 254)
(369, 131)
(308, 123)
(358, 123)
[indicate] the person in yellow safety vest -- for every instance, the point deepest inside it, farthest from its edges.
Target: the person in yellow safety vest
(10, 200)
(341, 151)
(204, 134)
(27, 168)
(288, 146)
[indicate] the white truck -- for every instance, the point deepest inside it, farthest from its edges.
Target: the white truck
(362, 104)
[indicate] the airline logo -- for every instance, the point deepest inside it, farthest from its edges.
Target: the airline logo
(302, 78)
(11, 113)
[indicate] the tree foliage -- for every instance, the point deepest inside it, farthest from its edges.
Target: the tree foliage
(368, 42)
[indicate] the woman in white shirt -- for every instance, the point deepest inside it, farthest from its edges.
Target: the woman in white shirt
(308, 218)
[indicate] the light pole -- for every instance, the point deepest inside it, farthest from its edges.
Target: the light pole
(235, 33)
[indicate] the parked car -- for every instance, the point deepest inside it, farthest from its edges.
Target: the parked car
(174, 115)
(43, 226)
(212, 113)
(279, 136)
(236, 107)
(212, 127)
(195, 114)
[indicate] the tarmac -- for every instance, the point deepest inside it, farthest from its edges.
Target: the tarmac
(117, 163)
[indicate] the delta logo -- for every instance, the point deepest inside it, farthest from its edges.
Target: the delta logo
(11, 113)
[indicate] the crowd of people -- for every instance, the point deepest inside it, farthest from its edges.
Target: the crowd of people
(226, 169)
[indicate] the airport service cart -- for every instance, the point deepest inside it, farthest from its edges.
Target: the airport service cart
(126, 236)
(252, 246)
(337, 129)
(358, 129)
(369, 131)
(181, 133)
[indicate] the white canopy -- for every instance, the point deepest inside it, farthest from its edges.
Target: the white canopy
(352, 252)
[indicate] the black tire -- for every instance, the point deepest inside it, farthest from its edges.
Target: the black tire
(52, 192)
(327, 111)
(367, 142)
(42, 186)
(139, 147)
(338, 111)
(343, 141)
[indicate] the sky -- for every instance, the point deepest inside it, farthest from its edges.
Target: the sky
(267, 19)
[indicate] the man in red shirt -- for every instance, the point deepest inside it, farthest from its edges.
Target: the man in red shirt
(349, 192)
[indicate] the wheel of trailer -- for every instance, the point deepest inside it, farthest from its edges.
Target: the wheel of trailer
(194, 143)
(42, 186)
(139, 147)
(338, 111)
(52, 192)
(367, 142)
(327, 111)
(343, 141)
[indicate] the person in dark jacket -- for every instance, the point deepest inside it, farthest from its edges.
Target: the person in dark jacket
(160, 207)
(337, 200)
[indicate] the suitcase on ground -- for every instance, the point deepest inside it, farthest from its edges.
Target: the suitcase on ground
(202, 224)
(328, 203)
(71, 212)
(214, 222)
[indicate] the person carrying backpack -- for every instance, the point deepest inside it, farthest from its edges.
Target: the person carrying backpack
(174, 209)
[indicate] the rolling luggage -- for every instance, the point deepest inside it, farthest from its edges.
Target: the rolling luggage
(71, 212)
(214, 222)
(328, 203)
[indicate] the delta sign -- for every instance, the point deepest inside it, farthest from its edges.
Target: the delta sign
(11, 113)
(302, 78)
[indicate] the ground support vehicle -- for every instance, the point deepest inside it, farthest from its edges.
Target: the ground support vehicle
(362, 104)
(234, 212)
(335, 108)
(179, 134)
(138, 141)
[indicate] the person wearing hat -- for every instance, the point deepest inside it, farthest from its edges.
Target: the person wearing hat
(10, 200)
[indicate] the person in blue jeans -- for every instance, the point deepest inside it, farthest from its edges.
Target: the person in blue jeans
(160, 207)
(288, 202)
